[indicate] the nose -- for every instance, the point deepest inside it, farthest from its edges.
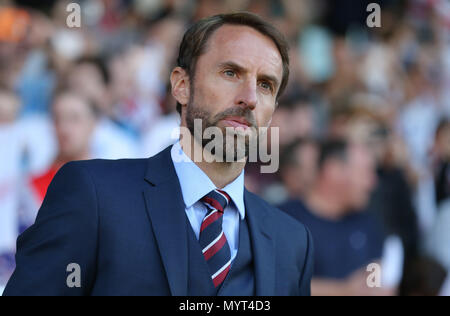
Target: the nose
(247, 96)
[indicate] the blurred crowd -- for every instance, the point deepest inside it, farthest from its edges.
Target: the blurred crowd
(364, 123)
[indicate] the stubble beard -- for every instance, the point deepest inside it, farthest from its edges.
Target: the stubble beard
(235, 144)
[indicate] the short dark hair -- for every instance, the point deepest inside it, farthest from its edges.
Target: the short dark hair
(196, 37)
(442, 126)
(97, 62)
(63, 90)
(333, 149)
(288, 156)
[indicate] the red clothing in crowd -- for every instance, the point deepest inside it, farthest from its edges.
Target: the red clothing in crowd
(40, 183)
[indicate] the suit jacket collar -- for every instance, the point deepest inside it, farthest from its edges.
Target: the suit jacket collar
(262, 234)
(166, 211)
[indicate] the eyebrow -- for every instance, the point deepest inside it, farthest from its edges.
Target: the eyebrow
(235, 66)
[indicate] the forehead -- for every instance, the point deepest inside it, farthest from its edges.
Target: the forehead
(70, 103)
(245, 46)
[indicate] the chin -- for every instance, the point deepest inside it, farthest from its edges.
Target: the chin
(235, 153)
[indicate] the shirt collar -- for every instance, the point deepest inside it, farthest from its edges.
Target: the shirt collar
(195, 184)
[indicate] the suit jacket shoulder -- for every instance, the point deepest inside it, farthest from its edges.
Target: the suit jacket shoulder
(292, 244)
(112, 171)
(75, 210)
(282, 220)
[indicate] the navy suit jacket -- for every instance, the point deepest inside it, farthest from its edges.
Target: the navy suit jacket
(123, 222)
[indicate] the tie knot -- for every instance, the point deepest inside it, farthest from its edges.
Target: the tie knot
(217, 199)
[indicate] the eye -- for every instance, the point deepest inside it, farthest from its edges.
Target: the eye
(266, 86)
(229, 73)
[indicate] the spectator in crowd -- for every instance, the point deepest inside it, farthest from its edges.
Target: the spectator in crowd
(9, 107)
(423, 276)
(89, 77)
(442, 161)
(165, 131)
(74, 120)
(392, 198)
(296, 118)
(438, 240)
(346, 239)
(298, 167)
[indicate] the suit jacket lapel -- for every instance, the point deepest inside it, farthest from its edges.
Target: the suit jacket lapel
(261, 235)
(166, 210)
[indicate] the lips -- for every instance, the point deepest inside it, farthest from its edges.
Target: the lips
(237, 122)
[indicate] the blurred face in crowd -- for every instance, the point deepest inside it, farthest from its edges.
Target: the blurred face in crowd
(235, 84)
(443, 143)
(370, 132)
(302, 121)
(351, 180)
(446, 142)
(300, 178)
(74, 122)
(87, 80)
(279, 119)
(9, 106)
(361, 177)
(294, 123)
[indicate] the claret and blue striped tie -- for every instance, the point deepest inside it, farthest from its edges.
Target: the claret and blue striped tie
(212, 239)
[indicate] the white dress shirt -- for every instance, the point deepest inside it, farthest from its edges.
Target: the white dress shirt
(195, 184)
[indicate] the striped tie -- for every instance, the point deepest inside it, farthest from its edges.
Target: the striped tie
(212, 239)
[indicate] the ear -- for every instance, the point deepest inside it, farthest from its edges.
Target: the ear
(180, 82)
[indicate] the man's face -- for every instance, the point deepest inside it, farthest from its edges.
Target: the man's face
(300, 178)
(361, 177)
(443, 143)
(446, 141)
(74, 123)
(308, 157)
(235, 84)
(87, 80)
(9, 106)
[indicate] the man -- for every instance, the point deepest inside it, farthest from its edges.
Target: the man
(441, 153)
(171, 226)
(74, 121)
(346, 240)
(437, 240)
(299, 167)
(89, 77)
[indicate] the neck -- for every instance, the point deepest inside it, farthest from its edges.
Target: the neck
(62, 159)
(325, 204)
(220, 173)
